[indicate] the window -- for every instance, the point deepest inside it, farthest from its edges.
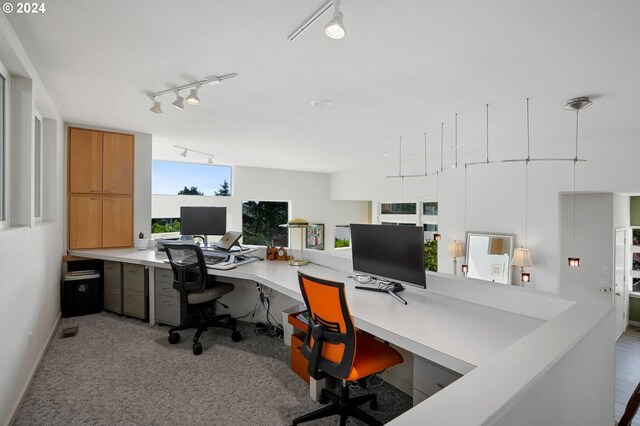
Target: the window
(342, 236)
(430, 209)
(165, 225)
(176, 178)
(261, 222)
(3, 149)
(37, 177)
(398, 208)
(398, 223)
(430, 227)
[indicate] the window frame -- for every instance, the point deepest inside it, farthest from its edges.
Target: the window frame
(4, 164)
(38, 170)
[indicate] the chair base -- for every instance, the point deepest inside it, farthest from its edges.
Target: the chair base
(201, 318)
(344, 407)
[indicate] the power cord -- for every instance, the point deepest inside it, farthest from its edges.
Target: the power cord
(269, 329)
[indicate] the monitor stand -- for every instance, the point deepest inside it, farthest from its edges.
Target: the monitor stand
(392, 291)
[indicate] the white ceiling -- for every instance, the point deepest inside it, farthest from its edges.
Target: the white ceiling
(404, 67)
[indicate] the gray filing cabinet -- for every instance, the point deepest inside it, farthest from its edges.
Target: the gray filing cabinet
(135, 290)
(167, 299)
(429, 378)
(113, 286)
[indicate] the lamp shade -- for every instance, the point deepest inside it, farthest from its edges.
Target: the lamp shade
(521, 257)
(455, 249)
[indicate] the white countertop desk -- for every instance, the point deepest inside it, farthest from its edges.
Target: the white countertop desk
(454, 333)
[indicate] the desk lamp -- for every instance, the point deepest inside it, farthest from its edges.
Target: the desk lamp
(455, 250)
(522, 258)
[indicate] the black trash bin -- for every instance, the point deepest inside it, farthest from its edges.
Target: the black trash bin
(81, 293)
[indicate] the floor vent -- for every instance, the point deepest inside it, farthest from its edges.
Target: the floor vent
(69, 332)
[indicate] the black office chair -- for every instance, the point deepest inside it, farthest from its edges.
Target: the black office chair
(631, 409)
(199, 293)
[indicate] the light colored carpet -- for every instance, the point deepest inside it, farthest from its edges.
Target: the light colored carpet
(121, 371)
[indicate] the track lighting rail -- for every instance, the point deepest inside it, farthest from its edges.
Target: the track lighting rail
(207, 80)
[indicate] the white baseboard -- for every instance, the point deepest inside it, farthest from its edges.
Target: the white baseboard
(32, 373)
(634, 323)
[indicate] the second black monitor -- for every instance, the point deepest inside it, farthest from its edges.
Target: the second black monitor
(389, 252)
(203, 220)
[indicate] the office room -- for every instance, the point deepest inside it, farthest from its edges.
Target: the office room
(483, 154)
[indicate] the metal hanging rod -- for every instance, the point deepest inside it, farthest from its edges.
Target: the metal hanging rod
(313, 18)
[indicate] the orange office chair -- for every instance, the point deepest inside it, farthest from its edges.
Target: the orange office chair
(334, 348)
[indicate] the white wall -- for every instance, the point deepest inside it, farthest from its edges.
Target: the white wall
(30, 253)
(307, 194)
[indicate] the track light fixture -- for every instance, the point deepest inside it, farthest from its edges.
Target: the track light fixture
(157, 106)
(186, 150)
(335, 27)
(193, 98)
(179, 102)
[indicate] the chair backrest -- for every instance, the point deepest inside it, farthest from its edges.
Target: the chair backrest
(632, 408)
(331, 337)
(189, 268)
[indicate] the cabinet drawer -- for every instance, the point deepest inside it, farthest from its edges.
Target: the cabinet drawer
(166, 289)
(134, 303)
(430, 378)
(164, 275)
(168, 310)
(113, 299)
(133, 277)
(112, 274)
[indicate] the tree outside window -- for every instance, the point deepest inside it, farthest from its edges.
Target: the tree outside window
(261, 222)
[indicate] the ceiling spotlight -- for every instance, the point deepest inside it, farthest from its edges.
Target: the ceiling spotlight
(193, 98)
(576, 104)
(335, 27)
(184, 153)
(157, 107)
(179, 102)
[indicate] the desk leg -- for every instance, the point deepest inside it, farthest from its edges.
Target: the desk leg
(152, 295)
(315, 388)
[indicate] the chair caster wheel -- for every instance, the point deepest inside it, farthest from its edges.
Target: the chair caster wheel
(236, 336)
(174, 338)
(373, 404)
(232, 322)
(197, 348)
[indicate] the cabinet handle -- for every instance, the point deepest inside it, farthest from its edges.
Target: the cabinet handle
(94, 190)
(94, 199)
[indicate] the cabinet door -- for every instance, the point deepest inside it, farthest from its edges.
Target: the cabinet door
(117, 222)
(85, 161)
(85, 222)
(117, 164)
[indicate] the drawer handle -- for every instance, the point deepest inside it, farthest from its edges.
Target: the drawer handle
(114, 292)
(440, 385)
(166, 302)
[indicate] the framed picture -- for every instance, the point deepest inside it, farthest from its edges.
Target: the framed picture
(315, 236)
(636, 237)
(636, 261)
(496, 270)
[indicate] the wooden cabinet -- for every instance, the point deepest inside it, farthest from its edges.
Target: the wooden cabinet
(101, 165)
(117, 221)
(117, 162)
(85, 213)
(85, 161)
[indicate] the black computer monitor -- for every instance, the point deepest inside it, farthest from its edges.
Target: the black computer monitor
(203, 221)
(394, 253)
